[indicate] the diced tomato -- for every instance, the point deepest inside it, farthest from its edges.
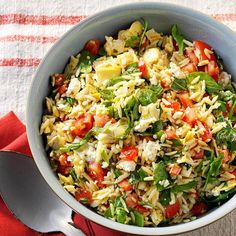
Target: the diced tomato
(200, 45)
(234, 173)
(82, 125)
(132, 200)
(62, 89)
(129, 153)
(175, 170)
(144, 44)
(141, 209)
(174, 105)
(164, 84)
(176, 47)
(190, 68)
(172, 210)
(191, 55)
(206, 136)
(185, 99)
(195, 194)
(199, 155)
(64, 165)
(199, 208)
(147, 138)
(59, 80)
(84, 196)
(226, 155)
(213, 70)
(190, 121)
(96, 173)
(126, 185)
(170, 133)
(190, 116)
(93, 46)
(143, 69)
(101, 120)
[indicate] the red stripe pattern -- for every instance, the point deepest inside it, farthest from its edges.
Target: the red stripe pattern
(225, 17)
(20, 62)
(39, 20)
(28, 38)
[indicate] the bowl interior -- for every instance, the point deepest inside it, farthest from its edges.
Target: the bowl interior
(192, 24)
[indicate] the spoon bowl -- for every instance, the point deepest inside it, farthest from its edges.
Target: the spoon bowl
(29, 197)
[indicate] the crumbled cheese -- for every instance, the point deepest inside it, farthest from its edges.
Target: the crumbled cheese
(73, 88)
(126, 165)
(150, 150)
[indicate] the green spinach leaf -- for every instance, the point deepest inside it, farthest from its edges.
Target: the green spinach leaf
(178, 37)
(160, 174)
(183, 187)
(179, 84)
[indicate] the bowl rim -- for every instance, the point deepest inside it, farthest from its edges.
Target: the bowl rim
(210, 217)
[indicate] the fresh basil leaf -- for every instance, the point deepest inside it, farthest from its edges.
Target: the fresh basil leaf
(160, 174)
(227, 135)
(107, 94)
(146, 96)
(73, 174)
(70, 100)
(108, 213)
(179, 84)
(183, 187)
(178, 37)
(132, 41)
(165, 197)
(86, 60)
(137, 176)
(157, 126)
(120, 215)
(176, 143)
(132, 68)
(211, 85)
(157, 89)
(138, 219)
(114, 81)
(214, 169)
(117, 173)
(222, 106)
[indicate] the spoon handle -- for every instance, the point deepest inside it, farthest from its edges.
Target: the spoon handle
(70, 230)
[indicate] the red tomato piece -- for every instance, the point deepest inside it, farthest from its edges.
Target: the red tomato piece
(143, 69)
(82, 125)
(234, 173)
(93, 46)
(126, 185)
(96, 173)
(190, 117)
(175, 105)
(191, 55)
(132, 200)
(129, 153)
(59, 80)
(64, 165)
(213, 70)
(199, 208)
(200, 45)
(207, 136)
(199, 155)
(172, 210)
(185, 99)
(141, 209)
(101, 120)
(190, 121)
(170, 133)
(226, 155)
(175, 170)
(144, 44)
(190, 68)
(84, 196)
(62, 89)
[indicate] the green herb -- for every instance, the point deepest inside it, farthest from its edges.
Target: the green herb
(107, 94)
(143, 34)
(114, 81)
(199, 167)
(183, 187)
(118, 203)
(70, 100)
(222, 106)
(102, 52)
(211, 85)
(165, 197)
(226, 95)
(157, 89)
(214, 169)
(137, 176)
(176, 143)
(86, 60)
(231, 112)
(76, 146)
(117, 173)
(73, 174)
(178, 37)
(120, 215)
(132, 41)
(160, 174)
(108, 213)
(146, 96)
(138, 219)
(179, 84)
(132, 68)
(84, 200)
(157, 126)
(159, 134)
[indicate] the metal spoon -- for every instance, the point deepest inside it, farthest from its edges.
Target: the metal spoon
(30, 199)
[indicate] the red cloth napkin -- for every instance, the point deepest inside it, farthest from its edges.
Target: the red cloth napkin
(13, 138)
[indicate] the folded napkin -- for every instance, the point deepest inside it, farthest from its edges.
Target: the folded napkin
(13, 138)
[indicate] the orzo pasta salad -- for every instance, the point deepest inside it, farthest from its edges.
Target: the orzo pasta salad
(141, 129)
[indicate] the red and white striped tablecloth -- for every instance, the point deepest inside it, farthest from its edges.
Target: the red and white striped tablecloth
(28, 28)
